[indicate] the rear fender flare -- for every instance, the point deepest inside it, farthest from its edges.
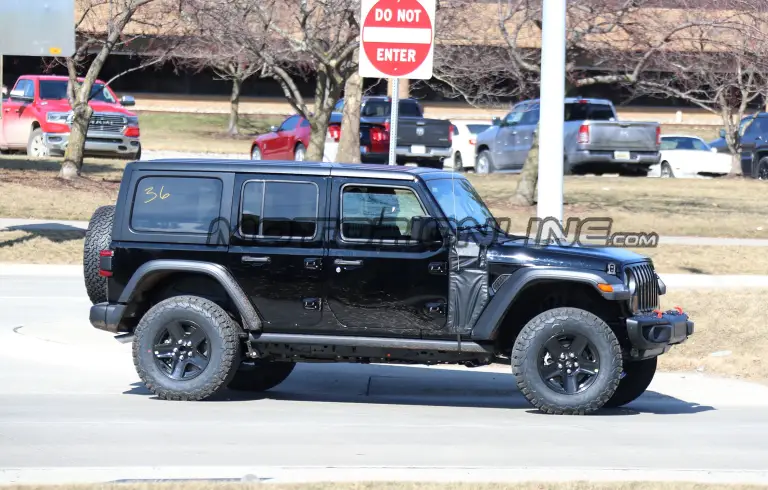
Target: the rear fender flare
(487, 326)
(150, 273)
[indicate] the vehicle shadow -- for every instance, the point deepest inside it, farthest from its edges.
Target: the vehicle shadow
(402, 385)
(54, 234)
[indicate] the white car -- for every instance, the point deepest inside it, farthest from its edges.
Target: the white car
(689, 157)
(463, 147)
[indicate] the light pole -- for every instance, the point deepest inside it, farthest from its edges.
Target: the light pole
(552, 87)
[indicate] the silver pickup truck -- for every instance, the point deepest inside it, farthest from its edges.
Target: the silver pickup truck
(595, 141)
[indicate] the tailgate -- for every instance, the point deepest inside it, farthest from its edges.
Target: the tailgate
(432, 133)
(612, 135)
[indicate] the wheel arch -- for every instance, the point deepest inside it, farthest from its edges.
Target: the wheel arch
(526, 293)
(153, 281)
(758, 160)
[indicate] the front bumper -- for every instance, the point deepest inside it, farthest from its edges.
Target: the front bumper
(96, 143)
(107, 316)
(652, 334)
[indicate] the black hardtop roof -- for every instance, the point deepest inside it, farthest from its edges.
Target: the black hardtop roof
(323, 169)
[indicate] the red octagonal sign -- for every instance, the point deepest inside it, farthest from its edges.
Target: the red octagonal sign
(397, 38)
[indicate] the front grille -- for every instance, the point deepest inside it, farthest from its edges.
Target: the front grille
(107, 123)
(646, 296)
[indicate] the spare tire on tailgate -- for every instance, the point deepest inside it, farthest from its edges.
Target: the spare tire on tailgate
(97, 238)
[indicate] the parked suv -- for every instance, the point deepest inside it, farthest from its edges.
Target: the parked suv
(37, 118)
(753, 144)
(229, 273)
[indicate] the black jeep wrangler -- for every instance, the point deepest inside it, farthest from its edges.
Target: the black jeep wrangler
(225, 274)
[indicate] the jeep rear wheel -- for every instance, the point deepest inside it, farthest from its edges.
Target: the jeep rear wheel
(97, 238)
(567, 361)
(636, 379)
(260, 376)
(186, 348)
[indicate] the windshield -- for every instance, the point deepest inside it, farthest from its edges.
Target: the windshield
(584, 111)
(57, 90)
(461, 203)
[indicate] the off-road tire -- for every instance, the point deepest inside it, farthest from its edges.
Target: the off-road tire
(261, 375)
(97, 238)
(637, 378)
(562, 321)
(223, 360)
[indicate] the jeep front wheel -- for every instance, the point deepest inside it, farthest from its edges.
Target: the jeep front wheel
(637, 378)
(258, 376)
(186, 348)
(567, 361)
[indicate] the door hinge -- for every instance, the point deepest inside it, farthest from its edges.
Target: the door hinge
(436, 308)
(313, 264)
(311, 303)
(437, 267)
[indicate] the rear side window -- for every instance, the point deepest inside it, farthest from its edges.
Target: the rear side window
(279, 209)
(176, 204)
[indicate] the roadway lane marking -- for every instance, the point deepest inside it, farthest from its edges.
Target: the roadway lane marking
(298, 474)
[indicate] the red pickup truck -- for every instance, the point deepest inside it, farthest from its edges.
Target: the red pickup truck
(36, 117)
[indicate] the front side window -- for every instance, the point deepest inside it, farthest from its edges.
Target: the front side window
(290, 123)
(461, 203)
(176, 205)
(383, 213)
(279, 209)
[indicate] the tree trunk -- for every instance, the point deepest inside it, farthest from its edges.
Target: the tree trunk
(349, 144)
(318, 134)
(73, 156)
(526, 187)
(234, 107)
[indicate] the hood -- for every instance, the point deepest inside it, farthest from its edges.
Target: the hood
(97, 106)
(572, 256)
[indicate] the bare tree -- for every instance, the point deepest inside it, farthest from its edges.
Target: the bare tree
(349, 142)
(103, 27)
(213, 47)
(304, 37)
(723, 71)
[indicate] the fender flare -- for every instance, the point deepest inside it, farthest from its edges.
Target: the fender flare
(151, 272)
(487, 326)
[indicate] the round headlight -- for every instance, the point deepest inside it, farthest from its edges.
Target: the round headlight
(632, 284)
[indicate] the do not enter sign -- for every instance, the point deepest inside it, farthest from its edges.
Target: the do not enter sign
(397, 38)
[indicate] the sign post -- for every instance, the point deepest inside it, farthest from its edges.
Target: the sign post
(397, 41)
(550, 193)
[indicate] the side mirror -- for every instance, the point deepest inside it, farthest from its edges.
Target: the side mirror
(273, 129)
(425, 229)
(19, 95)
(496, 121)
(722, 133)
(127, 100)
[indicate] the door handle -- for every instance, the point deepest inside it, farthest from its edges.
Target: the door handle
(347, 262)
(313, 264)
(255, 260)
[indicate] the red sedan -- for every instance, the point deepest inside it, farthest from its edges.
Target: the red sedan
(287, 142)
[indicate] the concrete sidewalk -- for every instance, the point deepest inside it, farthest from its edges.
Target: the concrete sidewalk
(7, 224)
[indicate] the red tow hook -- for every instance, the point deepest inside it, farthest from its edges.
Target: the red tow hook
(659, 313)
(679, 310)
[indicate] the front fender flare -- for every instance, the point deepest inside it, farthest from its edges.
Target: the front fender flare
(151, 272)
(488, 324)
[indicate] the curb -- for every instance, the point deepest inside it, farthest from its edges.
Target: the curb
(12, 269)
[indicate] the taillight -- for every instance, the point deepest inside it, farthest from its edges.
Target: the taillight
(105, 263)
(658, 135)
(334, 132)
(378, 134)
(583, 137)
(450, 133)
(471, 141)
(132, 132)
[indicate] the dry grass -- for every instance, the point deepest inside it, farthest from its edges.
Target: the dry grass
(31, 188)
(725, 320)
(705, 259)
(200, 132)
(700, 207)
(397, 486)
(42, 247)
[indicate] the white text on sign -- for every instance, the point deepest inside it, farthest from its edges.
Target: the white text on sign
(403, 15)
(396, 54)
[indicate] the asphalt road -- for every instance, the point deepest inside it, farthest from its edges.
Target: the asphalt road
(72, 409)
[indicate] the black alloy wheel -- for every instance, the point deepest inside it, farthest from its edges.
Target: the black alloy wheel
(569, 363)
(181, 350)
